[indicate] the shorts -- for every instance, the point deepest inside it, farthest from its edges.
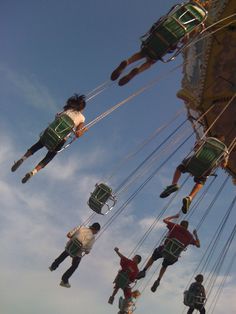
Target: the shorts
(183, 168)
(157, 253)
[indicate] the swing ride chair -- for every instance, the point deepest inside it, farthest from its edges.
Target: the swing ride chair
(122, 279)
(100, 197)
(73, 247)
(190, 299)
(57, 131)
(182, 20)
(172, 249)
(207, 157)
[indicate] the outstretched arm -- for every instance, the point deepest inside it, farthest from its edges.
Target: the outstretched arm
(167, 219)
(197, 241)
(116, 249)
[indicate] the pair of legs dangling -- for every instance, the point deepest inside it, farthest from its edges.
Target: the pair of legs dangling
(199, 182)
(74, 265)
(37, 146)
(157, 254)
(136, 57)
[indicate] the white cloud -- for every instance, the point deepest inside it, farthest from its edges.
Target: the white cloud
(35, 93)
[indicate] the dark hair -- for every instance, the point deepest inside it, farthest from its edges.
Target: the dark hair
(199, 278)
(95, 226)
(184, 223)
(138, 258)
(75, 102)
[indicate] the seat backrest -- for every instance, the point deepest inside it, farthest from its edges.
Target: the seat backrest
(172, 249)
(101, 194)
(59, 129)
(207, 157)
(122, 279)
(73, 247)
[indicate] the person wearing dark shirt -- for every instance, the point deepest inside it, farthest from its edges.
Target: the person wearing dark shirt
(178, 232)
(197, 290)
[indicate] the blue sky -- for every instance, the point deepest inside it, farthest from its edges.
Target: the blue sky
(51, 49)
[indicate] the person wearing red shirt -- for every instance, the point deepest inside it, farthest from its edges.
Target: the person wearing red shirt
(128, 273)
(178, 232)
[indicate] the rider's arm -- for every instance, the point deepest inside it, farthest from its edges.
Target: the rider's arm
(197, 241)
(167, 219)
(80, 130)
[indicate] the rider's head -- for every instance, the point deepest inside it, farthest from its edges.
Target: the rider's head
(75, 102)
(184, 224)
(137, 259)
(199, 278)
(95, 227)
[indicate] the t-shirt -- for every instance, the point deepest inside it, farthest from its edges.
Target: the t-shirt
(180, 234)
(85, 237)
(76, 116)
(131, 266)
(197, 289)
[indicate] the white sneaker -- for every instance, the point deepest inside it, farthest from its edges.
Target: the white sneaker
(65, 284)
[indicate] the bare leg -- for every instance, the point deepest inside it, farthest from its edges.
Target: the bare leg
(197, 187)
(111, 299)
(157, 282)
(135, 57)
(176, 176)
(149, 264)
(117, 72)
(161, 273)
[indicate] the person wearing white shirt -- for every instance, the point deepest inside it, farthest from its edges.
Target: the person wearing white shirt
(86, 238)
(73, 110)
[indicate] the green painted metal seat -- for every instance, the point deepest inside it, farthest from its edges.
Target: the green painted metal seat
(100, 197)
(182, 20)
(190, 299)
(73, 247)
(207, 157)
(57, 131)
(172, 249)
(122, 279)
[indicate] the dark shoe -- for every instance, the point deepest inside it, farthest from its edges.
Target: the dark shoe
(141, 274)
(155, 285)
(65, 284)
(125, 79)
(117, 72)
(186, 203)
(50, 268)
(17, 164)
(27, 177)
(111, 300)
(168, 190)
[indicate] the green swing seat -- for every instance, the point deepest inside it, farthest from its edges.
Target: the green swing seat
(57, 131)
(190, 299)
(182, 20)
(73, 247)
(122, 279)
(100, 197)
(207, 157)
(172, 249)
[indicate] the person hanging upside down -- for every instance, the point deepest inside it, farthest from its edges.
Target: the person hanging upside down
(161, 39)
(196, 296)
(127, 274)
(178, 238)
(127, 306)
(74, 119)
(199, 180)
(85, 236)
